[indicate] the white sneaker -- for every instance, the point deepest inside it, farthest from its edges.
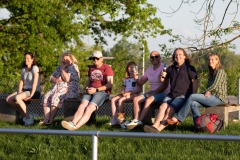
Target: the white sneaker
(113, 122)
(134, 123)
(69, 125)
(29, 121)
(123, 125)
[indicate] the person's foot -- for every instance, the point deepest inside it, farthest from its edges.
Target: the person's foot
(69, 125)
(134, 123)
(29, 121)
(45, 123)
(150, 129)
(173, 121)
(113, 122)
(121, 118)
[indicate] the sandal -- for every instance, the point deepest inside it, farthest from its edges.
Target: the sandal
(150, 129)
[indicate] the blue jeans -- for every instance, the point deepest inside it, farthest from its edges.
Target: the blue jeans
(97, 98)
(194, 101)
(175, 103)
(157, 97)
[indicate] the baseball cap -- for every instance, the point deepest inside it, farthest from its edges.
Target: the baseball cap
(97, 54)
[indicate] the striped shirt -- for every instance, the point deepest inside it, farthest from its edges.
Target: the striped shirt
(217, 85)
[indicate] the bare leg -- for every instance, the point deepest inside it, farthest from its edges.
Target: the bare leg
(16, 101)
(136, 106)
(53, 113)
(12, 102)
(160, 115)
(146, 108)
(86, 115)
(78, 115)
(114, 107)
(47, 112)
(120, 104)
(169, 113)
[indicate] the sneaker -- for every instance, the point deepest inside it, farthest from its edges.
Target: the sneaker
(113, 122)
(29, 121)
(123, 125)
(69, 125)
(134, 123)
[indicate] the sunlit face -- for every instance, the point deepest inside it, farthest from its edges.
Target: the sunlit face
(131, 68)
(97, 61)
(66, 60)
(213, 61)
(155, 58)
(180, 57)
(28, 60)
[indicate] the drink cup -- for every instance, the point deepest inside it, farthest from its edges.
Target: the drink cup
(135, 69)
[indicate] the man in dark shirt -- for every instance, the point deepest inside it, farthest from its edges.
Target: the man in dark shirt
(183, 81)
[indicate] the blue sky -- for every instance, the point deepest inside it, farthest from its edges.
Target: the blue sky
(182, 22)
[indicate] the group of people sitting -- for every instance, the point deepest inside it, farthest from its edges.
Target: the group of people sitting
(174, 87)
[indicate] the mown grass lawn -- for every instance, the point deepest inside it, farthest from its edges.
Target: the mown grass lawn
(42, 147)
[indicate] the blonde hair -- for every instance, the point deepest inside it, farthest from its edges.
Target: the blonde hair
(68, 53)
(212, 71)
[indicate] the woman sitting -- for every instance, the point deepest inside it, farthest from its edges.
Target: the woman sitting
(29, 87)
(65, 81)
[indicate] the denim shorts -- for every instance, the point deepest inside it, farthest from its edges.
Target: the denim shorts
(97, 98)
(176, 103)
(157, 97)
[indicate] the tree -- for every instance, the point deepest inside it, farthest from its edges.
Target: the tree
(215, 32)
(47, 27)
(123, 52)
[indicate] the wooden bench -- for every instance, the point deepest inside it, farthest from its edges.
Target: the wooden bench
(223, 111)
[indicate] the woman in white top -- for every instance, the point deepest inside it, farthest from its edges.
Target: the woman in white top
(29, 87)
(130, 89)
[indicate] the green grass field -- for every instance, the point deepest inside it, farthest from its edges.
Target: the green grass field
(42, 147)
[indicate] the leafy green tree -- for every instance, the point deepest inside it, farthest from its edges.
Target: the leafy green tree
(47, 27)
(123, 52)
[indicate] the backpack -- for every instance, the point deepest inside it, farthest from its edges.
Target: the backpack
(210, 123)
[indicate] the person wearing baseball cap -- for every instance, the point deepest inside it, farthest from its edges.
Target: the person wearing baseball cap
(98, 89)
(96, 54)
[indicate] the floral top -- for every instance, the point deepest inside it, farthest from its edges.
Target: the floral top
(73, 88)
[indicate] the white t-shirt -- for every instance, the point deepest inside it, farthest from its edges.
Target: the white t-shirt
(130, 84)
(28, 78)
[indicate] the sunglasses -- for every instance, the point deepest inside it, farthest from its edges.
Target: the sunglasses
(95, 58)
(154, 57)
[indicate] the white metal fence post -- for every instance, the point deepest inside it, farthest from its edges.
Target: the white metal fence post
(94, 147)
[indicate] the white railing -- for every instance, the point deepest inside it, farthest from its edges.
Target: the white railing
(96, 134)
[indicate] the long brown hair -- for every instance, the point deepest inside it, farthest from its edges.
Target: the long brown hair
(32, 56)
(127, 74)
(211, 71)
(187, 59)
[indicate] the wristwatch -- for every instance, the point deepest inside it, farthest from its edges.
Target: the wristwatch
(97, 90)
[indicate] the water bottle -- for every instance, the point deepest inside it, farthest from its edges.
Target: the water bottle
(164, 69)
